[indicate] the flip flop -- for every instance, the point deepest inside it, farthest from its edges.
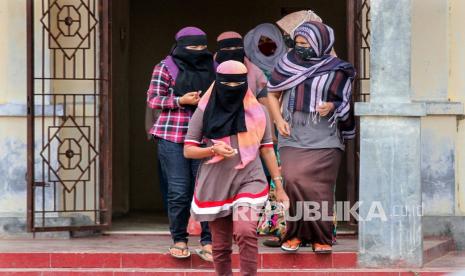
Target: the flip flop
(203, 255)
(319, 248)
(272, 242)
(292, 243)
(182, 248)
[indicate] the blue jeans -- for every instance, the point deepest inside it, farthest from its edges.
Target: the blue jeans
(180, 174)
(163, 187)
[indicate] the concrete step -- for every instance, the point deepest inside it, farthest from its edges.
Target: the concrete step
(305, 260)
(140, 252)
(437, 250)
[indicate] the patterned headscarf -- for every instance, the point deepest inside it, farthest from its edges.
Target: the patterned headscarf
(315, 81)
(319, 36)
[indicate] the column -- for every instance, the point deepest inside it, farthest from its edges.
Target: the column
(390, 229)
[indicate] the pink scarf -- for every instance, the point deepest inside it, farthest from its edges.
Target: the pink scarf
(249, 142)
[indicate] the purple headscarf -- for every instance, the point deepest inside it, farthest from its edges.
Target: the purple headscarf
(186, 31)
(192, 69)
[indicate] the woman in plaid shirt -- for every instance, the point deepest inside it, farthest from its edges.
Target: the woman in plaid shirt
(176, 86)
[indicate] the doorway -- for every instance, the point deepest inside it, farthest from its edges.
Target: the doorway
(142, 35)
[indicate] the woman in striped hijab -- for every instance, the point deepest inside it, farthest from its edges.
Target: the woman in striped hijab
(316, 118)
(292, 21)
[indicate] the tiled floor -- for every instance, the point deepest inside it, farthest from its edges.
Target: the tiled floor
(129, 243)
(143, 243)
(146, 255)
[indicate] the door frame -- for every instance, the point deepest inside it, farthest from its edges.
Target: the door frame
(358, 35)
(105, 119)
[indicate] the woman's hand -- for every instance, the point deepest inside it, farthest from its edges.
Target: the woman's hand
(190, 98)
(283, 128)
(282, 197)
(325, 108)
(281, 124)
(223, 149)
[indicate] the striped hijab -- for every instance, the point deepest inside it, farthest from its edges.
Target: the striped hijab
(322, 79)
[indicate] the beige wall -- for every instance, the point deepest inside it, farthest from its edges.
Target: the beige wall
(13, 93)
(456, 82)
(456, 37)
(430, 59)
(12, 162)
(13, 51)
(438, 75)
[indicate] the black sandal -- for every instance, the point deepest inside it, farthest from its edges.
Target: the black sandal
(273, 242)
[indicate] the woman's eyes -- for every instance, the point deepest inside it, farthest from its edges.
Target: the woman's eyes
(232, 48)
(232, 83)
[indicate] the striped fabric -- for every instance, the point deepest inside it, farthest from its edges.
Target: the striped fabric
(216, 207)
(322, 79)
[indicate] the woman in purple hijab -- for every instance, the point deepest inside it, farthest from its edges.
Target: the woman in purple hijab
(175, 89)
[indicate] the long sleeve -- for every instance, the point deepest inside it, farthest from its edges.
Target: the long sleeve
(158, 94)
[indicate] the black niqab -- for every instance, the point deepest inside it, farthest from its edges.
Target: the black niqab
(196, 72)
(224, 114)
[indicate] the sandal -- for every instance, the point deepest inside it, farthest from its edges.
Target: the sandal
(183, 249)
(322, 248)
(272, 242)
(291, 245)
(205, 255)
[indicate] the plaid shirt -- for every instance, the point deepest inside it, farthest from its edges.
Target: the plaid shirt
(173, 121)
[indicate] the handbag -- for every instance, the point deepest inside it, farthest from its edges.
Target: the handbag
(273, 217)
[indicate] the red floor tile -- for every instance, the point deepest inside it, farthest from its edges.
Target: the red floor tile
(20, 273)
(24, 260)
(300, 260)
(198, 263)
(149, 260)
(423, 273)
(85, 260)
(236, 264)
(157, 273)
(306, 273)
(366, 273)
(77, 273)
(344, 260)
